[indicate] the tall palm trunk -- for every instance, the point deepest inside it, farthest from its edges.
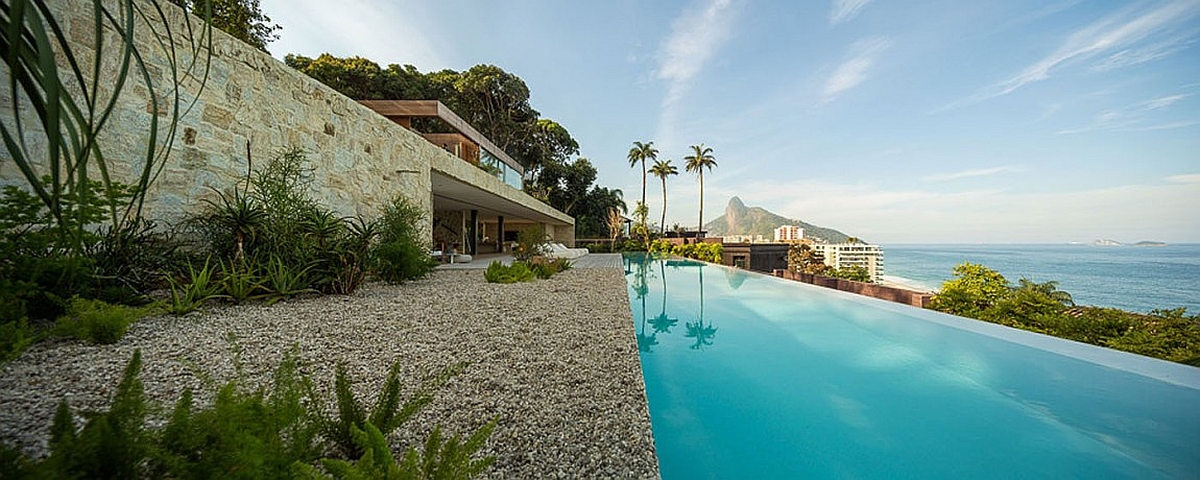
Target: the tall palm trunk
(662, 224)
(643, 181)
(700, 228)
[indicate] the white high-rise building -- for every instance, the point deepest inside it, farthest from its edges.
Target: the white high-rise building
(789, 233)
(846, 255)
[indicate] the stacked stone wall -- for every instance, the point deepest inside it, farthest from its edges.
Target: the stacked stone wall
(360, 160)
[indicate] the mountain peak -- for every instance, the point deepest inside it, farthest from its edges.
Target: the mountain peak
(735, 203)
(742, 220)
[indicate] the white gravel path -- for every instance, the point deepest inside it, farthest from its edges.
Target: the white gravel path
(555, 359)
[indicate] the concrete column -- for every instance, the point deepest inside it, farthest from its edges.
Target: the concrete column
(500, 233)
(473, 240)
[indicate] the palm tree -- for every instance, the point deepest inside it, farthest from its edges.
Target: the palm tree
(639, 154)
(663, 170)
(702, 333)
(700, 159)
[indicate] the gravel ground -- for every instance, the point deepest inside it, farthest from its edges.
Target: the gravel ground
(555, 359)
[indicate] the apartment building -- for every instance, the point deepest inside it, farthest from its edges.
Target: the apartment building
(846, 255)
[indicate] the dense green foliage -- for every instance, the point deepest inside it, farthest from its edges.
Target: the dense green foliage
(500, 273)
(95, 321)
(243, 19)
(402, 254)
(269, 433)
(708, 252)
(856, 273)
(531, 242)
(521, 271)
(982, 293)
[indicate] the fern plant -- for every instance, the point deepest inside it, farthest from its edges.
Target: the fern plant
(451, 459)
(388, 413)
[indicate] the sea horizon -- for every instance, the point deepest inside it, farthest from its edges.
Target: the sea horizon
(1129, 277)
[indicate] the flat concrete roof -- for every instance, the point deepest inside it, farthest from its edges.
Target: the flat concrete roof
(394, 109)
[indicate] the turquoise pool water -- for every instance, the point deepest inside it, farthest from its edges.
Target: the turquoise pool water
(749, 376)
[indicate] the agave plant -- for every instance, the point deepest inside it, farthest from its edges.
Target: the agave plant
(60, 154)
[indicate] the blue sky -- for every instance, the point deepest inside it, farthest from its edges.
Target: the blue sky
(899, 122)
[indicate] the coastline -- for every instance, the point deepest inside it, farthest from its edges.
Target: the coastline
(905, 283)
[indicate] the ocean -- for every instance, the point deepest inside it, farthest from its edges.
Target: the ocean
(1138, 279)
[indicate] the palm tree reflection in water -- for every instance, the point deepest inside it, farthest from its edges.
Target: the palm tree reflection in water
(642, 288)
(663, 323)
(703, 334)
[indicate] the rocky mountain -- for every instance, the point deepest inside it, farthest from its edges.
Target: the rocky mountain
(742, 220)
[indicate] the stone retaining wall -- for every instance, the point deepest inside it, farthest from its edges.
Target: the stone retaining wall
(360, 159)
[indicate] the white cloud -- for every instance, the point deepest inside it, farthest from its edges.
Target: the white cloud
(982, 172)
(845, 10)
(854, 70)
(1164, 102)
(1186, 178)
(1118, 33)
(695, 36)
(385, 32)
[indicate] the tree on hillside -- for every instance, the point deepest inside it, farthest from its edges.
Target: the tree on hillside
(662, 170)
(243, 19)
(700, 159)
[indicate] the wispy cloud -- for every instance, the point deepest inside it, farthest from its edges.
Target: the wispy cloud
(1164, 102)
(845, 10)
(1117, 35)
(1149, 53)
(1186, 178)
(981, 172)
(695, 36)
(855, 69)
(1136, 117)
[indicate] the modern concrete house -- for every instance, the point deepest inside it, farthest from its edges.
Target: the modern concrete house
(478, 204)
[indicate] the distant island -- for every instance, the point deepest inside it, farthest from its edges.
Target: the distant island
(742, 220)
(1104, 242)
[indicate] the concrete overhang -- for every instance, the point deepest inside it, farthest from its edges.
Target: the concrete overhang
(398, 110)
(458, 185)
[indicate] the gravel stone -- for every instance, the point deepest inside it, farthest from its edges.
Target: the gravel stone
(555, 360)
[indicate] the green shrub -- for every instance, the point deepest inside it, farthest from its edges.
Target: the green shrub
(531, 242)
(450, 459)
(263, 434)
(500, 273)
(96, 321)
(282, 280)
(200, 288)
(547, 269)
(112, 444)
(388, 412)
(243, 434)
(401, 254)
(239, 283)
(15, 337)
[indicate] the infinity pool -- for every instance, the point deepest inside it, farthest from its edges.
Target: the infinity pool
(750, 376)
